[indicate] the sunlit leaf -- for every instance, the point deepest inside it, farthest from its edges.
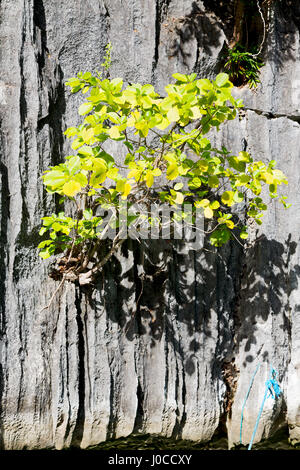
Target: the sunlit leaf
(172, 171)
(85, 108)
(71, 188)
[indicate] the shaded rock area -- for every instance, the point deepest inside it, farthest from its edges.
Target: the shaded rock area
(96, 366)
(278, 441)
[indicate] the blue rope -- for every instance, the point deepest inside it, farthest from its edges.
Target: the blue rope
(246, 398)
(272, 390)
(273, 384)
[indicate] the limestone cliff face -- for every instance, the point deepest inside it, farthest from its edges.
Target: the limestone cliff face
(90, 368)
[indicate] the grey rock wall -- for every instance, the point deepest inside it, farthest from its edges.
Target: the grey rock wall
(92, 367)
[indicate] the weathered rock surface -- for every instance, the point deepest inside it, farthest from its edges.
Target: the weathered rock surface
(91, 367)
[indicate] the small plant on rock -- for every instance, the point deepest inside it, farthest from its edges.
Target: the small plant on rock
(243, 67)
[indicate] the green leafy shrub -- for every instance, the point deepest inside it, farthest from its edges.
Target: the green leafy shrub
(168, 159)
(243, 67)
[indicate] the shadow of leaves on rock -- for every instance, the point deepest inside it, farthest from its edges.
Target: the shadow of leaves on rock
(202, 308)
(286, 27)
(207, 31)
(267, 284)
(215, 294)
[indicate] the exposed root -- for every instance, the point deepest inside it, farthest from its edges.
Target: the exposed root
(54, 294)
(70, 269)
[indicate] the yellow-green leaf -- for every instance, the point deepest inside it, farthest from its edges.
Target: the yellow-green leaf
(183, 170)
(244, 157)
(242, 180)
(227, 198)
(97, 178)
(114, 132)
(135, 173)
(196, 112)
(221, 79)
(173, 114)
(120, 186)
(208, 213)
(130, 97)
(244, 235)
(230, 224)
(170, 157)
(112, 173)
(180, 77)
(149, 178)
(163, 124)
(214, 205)
(147, 102)
(85, 108)
(71, 132)
(142, 126)
(77, 143)
(172, 171)
(202, 203)
(126, 190)
(99, 165)
(213, 181)
(179, 198)
(267, 177)
(54, 178)
(202, 165)
(279, 176)
(87, 135)
(71, 188)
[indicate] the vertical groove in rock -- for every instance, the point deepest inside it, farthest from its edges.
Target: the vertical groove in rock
(111, 423)
(40, 34)
(161, 11)
(176, 429)
(79, 426)
(166, 340)
(157, 35)
(4, 218)
(138, 424)
(2, 378)
(137, 327)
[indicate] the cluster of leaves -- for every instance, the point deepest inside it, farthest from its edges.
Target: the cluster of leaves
(169, 159)
(242, 66)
